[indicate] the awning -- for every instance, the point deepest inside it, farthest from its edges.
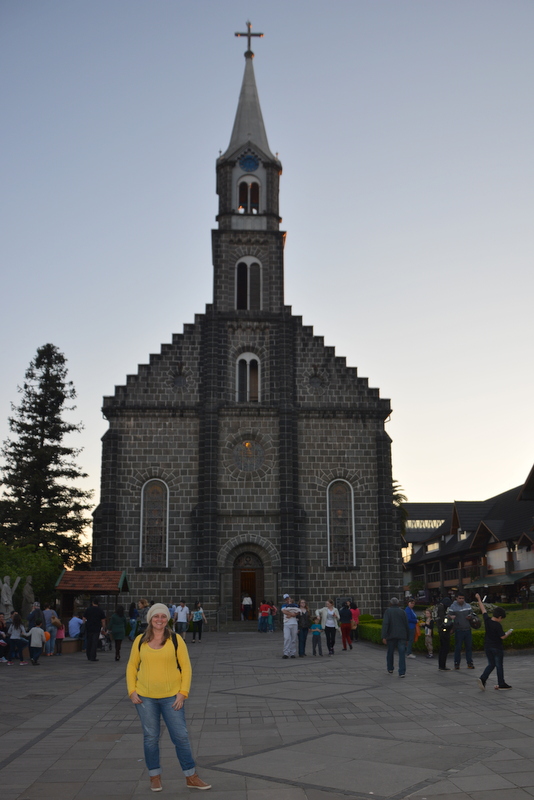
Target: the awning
(498, 580)
(491, 580)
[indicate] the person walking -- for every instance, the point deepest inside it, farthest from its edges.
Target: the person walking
(355, 611)
(117, 626)
(345, 623)
(197, 616)
(411, 616)
(133, 613)
(17, 632)
(304, 623)
(246, 602)
(316, 630)
(493, 646)
(181, 619)
(395, 633)
(329, 616)
(158, 678)
(94, 618)
(37, 642)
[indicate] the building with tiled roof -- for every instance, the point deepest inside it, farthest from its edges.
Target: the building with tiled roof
(478, 544)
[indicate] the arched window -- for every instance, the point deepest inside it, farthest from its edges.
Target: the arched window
(248, 378)
(340, 520)
(248, 285)
(248, 196)
(154, 524)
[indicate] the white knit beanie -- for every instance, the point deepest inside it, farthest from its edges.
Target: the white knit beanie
(158, 608)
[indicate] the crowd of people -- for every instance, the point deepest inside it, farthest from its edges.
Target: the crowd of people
(158, 674)
(400, 628)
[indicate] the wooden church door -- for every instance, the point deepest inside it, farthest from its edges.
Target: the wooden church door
(247, 578)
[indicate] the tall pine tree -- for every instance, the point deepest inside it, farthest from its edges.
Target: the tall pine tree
(41, 506)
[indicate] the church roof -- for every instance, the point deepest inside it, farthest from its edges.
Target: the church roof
(248, 123)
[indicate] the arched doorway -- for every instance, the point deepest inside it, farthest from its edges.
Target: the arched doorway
(247, 577)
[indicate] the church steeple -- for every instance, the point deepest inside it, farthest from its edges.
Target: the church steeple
(248, 247)
(248, 124)
(247, 172)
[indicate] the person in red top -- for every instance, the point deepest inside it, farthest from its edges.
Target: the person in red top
(265, 610)
(355, 611)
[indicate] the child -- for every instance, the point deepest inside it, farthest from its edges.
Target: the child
(316, 631)
(37, 640)
(17, 632)
(493, 645)
(60, 635)
(429, 627)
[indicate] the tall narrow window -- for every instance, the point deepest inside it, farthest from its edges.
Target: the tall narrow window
(340, 511)
(248, 379)
(248, 285)
(248, 197)
(154, 524)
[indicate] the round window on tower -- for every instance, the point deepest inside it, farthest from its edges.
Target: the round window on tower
(248, 455)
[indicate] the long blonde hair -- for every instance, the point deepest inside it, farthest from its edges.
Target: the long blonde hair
(148, 635)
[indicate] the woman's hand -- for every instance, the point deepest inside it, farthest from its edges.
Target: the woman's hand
(385, 641)
(178, 703)
(136, 700)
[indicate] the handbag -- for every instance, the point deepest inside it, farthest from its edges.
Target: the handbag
(353, 625)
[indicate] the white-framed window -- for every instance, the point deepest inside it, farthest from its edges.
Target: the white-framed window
(248, 378)
(340, 524)
(154, 538)
(248, 284)
(248, 195)
(430, 548)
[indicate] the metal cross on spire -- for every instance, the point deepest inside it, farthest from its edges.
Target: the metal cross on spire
(249, 36)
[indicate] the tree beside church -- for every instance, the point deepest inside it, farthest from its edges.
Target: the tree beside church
(41, 506)
(246, 456)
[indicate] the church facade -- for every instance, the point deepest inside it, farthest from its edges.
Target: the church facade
(246, 456)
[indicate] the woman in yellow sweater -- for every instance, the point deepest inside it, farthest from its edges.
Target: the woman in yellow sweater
(158, 677)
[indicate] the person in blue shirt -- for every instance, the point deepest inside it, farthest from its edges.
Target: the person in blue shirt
(412, 622)
(316, 631)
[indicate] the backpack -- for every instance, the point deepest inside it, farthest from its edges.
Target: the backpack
(175, 643)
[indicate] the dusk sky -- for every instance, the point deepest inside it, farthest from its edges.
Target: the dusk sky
(405, 131)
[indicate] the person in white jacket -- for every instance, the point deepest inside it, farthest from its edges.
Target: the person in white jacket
(329, 616)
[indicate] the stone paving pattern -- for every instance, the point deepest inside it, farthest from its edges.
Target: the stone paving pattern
(264, 728)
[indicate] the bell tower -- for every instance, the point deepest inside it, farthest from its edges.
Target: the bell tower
(248, 245)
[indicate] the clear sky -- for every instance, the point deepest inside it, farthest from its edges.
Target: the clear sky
(406, 133)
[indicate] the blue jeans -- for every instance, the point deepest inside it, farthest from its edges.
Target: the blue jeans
(460, 638)
(16, 649)
(263, 624)
(51, 643)
(302, 636)
(400, 645)
(150, 712)
(133, 626)
(410, 641)
(495, 657)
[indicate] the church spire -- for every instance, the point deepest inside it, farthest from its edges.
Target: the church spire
(248, 123)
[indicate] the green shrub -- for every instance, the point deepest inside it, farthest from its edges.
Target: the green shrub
(366, 618)
(369, 632)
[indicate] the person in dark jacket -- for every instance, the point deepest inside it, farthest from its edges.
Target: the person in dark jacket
(395, 633)
(444, 632)
(117, 627)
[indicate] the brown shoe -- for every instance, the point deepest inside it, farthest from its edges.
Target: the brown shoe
(155, 783)
(194, 782)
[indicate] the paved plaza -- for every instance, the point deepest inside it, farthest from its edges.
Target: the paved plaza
(264, 728)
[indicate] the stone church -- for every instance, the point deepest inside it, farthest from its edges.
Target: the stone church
(246, 456)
